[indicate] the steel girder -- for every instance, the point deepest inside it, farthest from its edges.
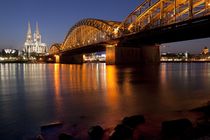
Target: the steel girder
(90, 31)
(156, 13)
(55, 49)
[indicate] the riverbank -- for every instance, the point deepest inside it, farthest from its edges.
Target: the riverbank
(22, 62)
(180, 125)
(185, 61)
(16, 61)
(26, 61)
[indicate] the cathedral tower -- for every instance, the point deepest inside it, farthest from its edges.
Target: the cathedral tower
(29, 33)
(33, 44)
(37, 35)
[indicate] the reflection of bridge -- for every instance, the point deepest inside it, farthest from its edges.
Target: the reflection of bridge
(136, 39)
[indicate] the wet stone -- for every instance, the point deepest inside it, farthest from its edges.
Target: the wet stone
(133, 121)
(202, 129)
(64, 136)
(39, 137)
(96, 132)
(181, 129)
(121, 132)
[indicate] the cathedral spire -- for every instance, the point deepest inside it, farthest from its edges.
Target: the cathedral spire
(37, 28)
(29, 29)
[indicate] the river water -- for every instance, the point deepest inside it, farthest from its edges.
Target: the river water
(35, 94)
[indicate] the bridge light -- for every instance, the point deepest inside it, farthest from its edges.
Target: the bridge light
(57, 58)
(208, 4)
(110, 46)
(130, 27)
(116, 30)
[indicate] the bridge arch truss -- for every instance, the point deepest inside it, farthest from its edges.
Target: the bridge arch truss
(55, 49)
(156, 13)
(88, 32)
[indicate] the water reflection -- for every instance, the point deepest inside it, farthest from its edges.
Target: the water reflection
(57, 81)
(184, 85)
(112, 90)
(33, 94)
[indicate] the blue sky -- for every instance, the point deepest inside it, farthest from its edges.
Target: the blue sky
(55, 17)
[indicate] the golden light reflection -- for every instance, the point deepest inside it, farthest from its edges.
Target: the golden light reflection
(163, 74)
(57, 85)
(91, 76)
(84, 78)
(57, 79)
(112, 87)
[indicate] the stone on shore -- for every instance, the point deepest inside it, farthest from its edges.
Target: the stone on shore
(39, 137)
(96, 132)
(64, 136)
(202, 129)
(121, 132)
(133, 121)
(179, 129)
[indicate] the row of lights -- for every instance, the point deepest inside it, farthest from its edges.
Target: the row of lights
(172, 15)
(115, 31)
(88, 42)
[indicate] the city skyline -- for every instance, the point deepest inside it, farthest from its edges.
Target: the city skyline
(57, 17)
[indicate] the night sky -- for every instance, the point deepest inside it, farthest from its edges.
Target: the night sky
(55, 17)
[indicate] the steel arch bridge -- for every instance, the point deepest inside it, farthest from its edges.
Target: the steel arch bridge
(55, 49)
(90, 31)
(148, 15)
(157, 13)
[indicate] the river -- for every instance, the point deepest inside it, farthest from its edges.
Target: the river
(35, 94)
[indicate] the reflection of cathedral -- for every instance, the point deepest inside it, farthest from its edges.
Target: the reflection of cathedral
(33, 44)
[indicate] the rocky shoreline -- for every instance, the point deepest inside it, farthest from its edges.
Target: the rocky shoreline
(137, 127)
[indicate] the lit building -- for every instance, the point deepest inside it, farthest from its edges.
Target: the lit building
(205, 50)
(10, 53)
(33, 44)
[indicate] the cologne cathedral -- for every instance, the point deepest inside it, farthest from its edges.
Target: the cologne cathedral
(33, 44)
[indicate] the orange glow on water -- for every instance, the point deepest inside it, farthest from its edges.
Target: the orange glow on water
(57, 78)
(57, 90)
(112, 87)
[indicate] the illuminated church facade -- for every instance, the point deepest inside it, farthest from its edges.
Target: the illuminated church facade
(33, 44)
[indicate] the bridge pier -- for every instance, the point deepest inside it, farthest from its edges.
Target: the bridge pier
(119, 54)
(71, 59)
(57, 58)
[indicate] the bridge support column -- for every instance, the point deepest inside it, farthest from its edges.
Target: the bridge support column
(71, 59)
(132, 55)
(57, 58)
